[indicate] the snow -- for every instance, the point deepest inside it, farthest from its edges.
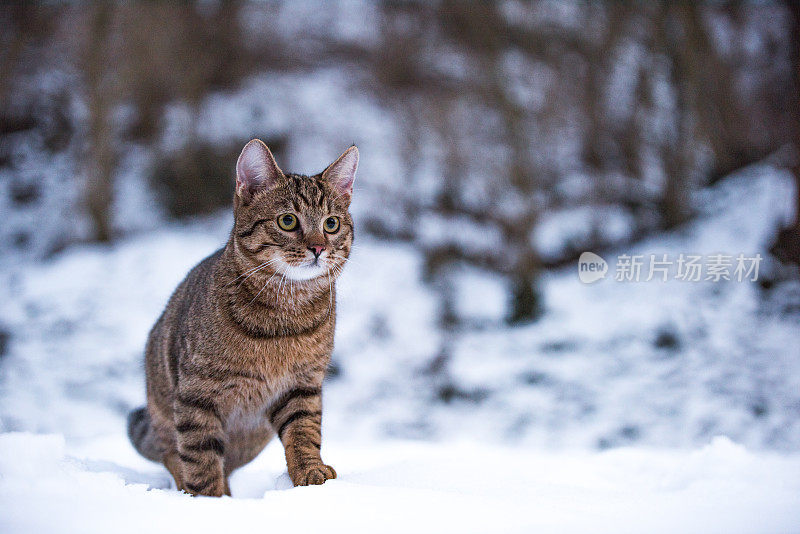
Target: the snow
(596, 372)
(408, 487)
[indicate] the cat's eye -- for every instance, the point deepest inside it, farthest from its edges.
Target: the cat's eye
(287, 222)
(332, 225)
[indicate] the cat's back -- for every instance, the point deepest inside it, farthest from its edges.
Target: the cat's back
(194, 288)
(199, 279)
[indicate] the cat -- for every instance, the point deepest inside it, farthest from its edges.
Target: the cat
(240, 352)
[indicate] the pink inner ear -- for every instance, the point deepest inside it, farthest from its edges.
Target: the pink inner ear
(256, 169)
(342, 172)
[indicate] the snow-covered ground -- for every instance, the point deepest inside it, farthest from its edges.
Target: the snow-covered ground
(408, 487)
(509, 435)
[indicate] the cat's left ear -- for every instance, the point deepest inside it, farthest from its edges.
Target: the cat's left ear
(256, 170)
(342, 173)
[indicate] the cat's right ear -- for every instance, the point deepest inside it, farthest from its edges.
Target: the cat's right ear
(256, 170)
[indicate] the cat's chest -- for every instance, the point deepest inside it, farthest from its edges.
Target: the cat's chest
(244, 418)
(248, 399)
(277, 359)
(258, 370)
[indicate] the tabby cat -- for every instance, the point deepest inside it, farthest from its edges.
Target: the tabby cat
(241, 349)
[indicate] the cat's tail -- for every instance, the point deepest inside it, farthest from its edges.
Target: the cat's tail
(142, 434)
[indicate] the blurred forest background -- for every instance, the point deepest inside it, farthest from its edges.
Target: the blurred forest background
(506, 137)
(505, 114)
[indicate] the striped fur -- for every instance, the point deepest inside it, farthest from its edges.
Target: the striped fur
(240, 352)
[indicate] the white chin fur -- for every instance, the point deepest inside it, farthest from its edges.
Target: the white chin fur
(304, 272)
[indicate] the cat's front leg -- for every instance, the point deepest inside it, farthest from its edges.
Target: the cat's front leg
(201, 444)
(297, 418)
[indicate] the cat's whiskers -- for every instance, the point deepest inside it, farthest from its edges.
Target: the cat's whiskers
(283, 282)
(330, 293)
(256, 271)
(271, 277)
(263, 287)
(346, 259)
(338, 262)
(247, 272)
(337, 270)
(259, 292)
(280, 284)
(267, 263)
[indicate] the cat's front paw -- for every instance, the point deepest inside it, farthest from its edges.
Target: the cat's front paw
(312, 475)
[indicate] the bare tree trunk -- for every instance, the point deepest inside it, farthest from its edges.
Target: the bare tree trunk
(22, 17)
(678, 152)
(676, 195)
(525, 302)
(482, 27)
(600, 131)
(598, 57)
(101, 158)
(453, 169)
(787, 242)
(795, 33)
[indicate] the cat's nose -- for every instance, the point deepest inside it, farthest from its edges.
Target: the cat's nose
(316, 249)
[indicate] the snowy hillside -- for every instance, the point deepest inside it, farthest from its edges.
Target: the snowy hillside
(610, 364)
(509, 435)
